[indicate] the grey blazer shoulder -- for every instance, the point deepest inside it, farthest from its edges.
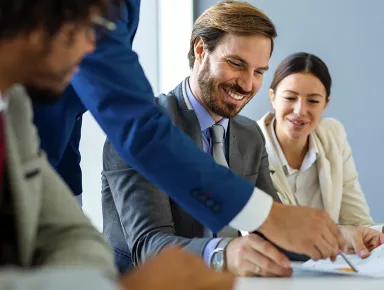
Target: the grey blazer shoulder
(140, 220)
(52, 231)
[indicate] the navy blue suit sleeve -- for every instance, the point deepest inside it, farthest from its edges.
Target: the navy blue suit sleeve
(69, 165)
(59, 127)
(112, 85)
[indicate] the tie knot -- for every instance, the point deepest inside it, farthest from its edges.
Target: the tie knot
(217, 133)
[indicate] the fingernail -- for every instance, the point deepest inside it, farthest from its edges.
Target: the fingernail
(287, 264)
(363, 253)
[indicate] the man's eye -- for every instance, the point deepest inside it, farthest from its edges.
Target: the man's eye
(234, 64)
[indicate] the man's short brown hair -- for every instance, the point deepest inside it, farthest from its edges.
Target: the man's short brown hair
(239, 18)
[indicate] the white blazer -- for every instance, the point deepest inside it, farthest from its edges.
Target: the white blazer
(342, 195)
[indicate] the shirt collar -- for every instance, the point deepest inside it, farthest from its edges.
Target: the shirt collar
(309, 158)
(205, 119)
(3, 103)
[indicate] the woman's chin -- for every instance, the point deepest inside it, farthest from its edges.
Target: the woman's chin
(297, 136)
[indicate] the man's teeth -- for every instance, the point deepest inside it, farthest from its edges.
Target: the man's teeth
(235, 96)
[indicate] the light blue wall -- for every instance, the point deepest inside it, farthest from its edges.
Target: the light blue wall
(349, 36)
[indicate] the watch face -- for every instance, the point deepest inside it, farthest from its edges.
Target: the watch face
(218, 260)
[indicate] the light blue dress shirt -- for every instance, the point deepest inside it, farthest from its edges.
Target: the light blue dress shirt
(206, 121)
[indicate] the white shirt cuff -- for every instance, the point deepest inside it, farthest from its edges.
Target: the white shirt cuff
(254, 213)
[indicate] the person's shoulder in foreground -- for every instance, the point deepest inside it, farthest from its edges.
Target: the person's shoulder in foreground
(52, 229)
(59, 248)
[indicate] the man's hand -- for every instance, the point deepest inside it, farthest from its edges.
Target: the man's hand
(254, 256)
(174, 269)
(304, 230)
(361, 240)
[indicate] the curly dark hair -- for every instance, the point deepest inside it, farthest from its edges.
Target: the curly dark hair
(22, 16)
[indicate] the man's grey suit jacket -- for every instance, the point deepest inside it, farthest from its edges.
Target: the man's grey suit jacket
(140, 220)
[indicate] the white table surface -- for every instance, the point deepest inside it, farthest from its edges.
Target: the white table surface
(311, 281)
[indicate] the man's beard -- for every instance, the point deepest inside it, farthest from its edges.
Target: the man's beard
(211, 96)
(43, 95)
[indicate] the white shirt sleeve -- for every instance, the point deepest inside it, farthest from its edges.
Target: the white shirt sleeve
(254, 213)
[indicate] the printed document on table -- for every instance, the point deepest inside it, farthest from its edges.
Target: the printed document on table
(373, 266)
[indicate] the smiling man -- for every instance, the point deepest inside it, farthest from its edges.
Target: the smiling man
(228, 57)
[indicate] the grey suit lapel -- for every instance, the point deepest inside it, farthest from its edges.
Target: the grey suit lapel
(26, 201)
(188, 120)
(235, 157)
(191, 126)
(185, 118)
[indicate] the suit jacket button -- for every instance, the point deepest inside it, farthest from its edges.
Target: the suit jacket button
(195, 194)
(199, 195)
(210, 203)
(202, 197)
(216, 208)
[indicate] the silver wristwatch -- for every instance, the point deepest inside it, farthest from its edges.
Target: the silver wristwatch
(217, 259)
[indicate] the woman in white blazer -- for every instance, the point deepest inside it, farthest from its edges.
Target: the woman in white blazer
(311, 162)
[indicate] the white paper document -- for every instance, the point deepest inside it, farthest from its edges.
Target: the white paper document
(373, 266)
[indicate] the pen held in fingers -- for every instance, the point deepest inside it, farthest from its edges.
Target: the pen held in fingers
(347, 261)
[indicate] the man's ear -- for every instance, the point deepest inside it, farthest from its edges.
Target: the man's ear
(39, 40)
(272, 97)
(36, 39)
(199, 49)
